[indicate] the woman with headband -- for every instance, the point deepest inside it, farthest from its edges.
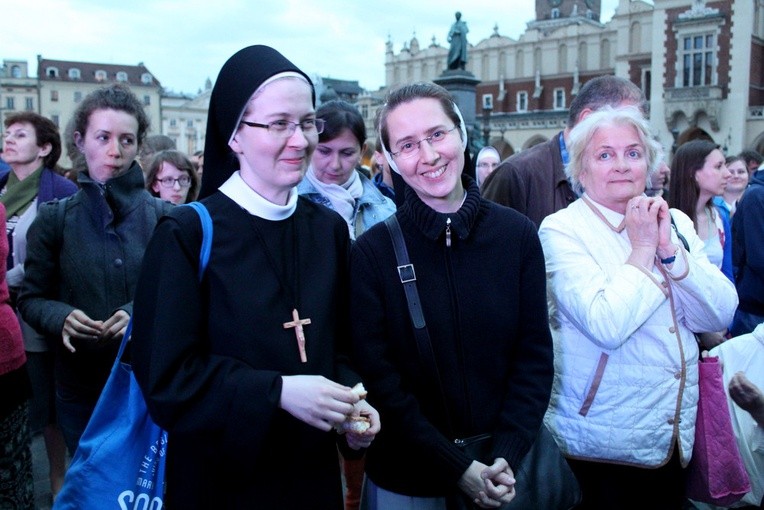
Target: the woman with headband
(480, 274)
(247, 369)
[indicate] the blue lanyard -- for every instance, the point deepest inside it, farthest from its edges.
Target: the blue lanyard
(564, 151)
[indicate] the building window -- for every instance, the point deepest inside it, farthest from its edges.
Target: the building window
(51, 72)
(146, 100)
(29, 104)
(646, 79)
(190, 123)
(121, 76)
(559, 99)
(146, 78)
(555, 13)
(15, 72)
(522, 101)
(697, 57)
(54, 95)
(74, 73)
(55, 119)
(100, 75)
(173, 122)
(77, 96)
(10, 104)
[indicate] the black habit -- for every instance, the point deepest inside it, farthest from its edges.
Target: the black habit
(209, 356)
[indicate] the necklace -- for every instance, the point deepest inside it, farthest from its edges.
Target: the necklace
(292, 291)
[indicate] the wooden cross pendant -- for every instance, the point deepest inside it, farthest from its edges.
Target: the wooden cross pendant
(297, 324)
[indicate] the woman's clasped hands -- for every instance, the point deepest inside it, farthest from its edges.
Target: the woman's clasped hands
(489, 486)
(648, 225)
(78, 326)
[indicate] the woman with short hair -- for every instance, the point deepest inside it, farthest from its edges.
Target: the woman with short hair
(625, 298)
(171, 177)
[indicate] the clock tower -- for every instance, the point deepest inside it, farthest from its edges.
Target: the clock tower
(560, 9)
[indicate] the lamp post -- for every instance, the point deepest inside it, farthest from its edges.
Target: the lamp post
(487, 108)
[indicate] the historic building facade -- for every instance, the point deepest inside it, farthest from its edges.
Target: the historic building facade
(184, 118)
(698, 62)
(60, 85)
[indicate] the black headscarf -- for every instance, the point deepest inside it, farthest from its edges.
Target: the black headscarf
(239, 78)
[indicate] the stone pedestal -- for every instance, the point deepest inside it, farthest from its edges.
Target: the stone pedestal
(463, 86)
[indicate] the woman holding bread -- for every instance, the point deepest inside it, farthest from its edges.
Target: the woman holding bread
(247, 369)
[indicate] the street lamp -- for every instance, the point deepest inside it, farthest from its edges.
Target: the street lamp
(487, 108)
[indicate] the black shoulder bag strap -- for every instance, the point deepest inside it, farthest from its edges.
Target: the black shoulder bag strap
(408, 279)
(679, 234)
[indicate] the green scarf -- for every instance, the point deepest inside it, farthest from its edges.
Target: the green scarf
(19, 194)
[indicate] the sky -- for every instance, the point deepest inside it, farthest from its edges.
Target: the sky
(184, 42)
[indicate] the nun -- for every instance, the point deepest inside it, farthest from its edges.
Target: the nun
(248, 367)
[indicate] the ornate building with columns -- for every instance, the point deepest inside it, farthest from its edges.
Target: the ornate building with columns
(698, 62)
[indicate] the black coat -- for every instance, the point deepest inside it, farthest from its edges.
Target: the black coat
(484, 301)
(91, 265)
(209, 356)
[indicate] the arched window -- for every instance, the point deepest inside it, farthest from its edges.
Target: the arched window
(51, 72)
(519, 63)
(582, 56)
(146, 78)
(100, 75)
(605, 54)
(121, 76)
(74, 73)
(635, 37)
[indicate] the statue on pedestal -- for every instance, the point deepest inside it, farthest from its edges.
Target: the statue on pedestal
(457, 36)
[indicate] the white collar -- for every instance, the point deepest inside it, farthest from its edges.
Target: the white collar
(239, 191)
(614, 218)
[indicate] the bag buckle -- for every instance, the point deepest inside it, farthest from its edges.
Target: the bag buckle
(406, 273)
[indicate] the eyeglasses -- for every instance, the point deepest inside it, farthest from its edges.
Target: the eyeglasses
(410, 149)
(169, 182)
(285, 129)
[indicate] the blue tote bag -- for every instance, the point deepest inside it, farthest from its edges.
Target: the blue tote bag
(120, 460)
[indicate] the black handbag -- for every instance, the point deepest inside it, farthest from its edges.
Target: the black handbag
(544, 480)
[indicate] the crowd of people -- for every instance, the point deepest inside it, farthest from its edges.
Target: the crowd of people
(570, 287)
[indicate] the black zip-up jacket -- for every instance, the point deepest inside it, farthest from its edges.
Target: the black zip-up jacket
(484, 302)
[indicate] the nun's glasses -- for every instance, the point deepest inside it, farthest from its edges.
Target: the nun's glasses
(285, 129)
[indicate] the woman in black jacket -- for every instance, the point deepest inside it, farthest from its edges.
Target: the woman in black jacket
(480, 273)
(84, 254)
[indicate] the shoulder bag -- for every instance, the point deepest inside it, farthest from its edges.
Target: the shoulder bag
(716, 473)
(120, 460)
(544, 481)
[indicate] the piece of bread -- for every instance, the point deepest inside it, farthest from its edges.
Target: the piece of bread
(357, 424)
(359, 390)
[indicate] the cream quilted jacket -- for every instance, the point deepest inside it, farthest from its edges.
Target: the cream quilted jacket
(626, 379)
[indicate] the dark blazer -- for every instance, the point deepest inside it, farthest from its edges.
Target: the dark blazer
(532, 182)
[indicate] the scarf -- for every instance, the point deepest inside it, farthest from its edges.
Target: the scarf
(20, 194)
(343, 197)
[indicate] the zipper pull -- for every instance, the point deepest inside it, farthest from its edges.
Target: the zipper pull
(448, 232)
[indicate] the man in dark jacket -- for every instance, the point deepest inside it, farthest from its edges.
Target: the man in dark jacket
(748, 257)
(533, 181)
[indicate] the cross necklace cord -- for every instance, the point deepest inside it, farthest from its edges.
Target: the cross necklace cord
(297, 323)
